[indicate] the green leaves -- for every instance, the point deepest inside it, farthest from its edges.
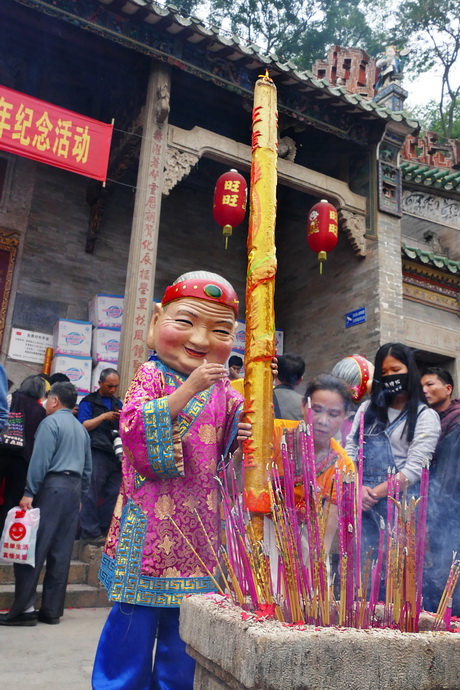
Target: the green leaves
(302, 31)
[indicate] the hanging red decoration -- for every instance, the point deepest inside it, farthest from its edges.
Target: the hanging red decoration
(230, 199)
(323, 230)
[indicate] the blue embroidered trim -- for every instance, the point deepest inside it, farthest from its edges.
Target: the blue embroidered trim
(123, 580)
(169, 591)
(118, 580)
(192, 410)
(106, 571)
(139, 480)
(159, 438)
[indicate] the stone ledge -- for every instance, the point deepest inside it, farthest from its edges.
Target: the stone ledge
(268, 656)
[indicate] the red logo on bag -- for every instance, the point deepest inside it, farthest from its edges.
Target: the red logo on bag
(17, 531)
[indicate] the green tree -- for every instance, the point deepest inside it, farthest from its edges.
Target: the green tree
(430, 121)
(298, 30)
(433, 30)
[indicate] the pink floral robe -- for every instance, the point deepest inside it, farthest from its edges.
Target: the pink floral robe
(168, 470)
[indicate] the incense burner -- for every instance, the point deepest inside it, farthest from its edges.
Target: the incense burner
(238, 653)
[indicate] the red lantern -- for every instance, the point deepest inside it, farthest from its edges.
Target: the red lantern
(323, 230)
(230, 199)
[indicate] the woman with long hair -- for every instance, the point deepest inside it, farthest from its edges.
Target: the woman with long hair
(400, 432)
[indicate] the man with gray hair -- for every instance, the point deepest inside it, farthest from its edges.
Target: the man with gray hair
(57, 479)
(99, 413)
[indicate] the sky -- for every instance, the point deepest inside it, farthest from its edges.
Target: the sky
(426, 87)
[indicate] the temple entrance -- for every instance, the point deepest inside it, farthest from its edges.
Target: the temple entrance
(426, 359)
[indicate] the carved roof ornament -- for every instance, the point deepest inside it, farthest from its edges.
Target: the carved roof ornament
(354, 226)
(178, 165)
(349, 67)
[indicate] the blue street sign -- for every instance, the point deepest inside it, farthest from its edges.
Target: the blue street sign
(355, 317)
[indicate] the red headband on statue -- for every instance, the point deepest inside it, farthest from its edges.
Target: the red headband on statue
(359, 390)
(201, 288)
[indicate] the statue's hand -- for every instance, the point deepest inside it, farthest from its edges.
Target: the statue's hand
(205, 376)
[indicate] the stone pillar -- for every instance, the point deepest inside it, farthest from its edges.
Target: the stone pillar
(389, 264)
(140, 278)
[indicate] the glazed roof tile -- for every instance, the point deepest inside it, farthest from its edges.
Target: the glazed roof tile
(428, 258)
(430, 176)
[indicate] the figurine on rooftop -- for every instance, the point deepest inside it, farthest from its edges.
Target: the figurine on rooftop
(391, 66)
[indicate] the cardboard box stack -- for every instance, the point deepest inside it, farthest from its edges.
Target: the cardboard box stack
(72, 352)
(106, 315)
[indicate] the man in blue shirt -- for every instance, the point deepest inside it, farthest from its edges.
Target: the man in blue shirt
(57, 479)
(99, 413)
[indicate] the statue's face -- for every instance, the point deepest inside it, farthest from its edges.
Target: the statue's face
(188, 331)
(390, 51)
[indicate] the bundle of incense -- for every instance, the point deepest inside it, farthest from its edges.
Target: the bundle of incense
(446, 598)
(315, 532)
(300, 591)
(341, 539)
(303, 576)
(410, 579)
(377, 573)
(309, 486)
(364, 608)
(348, 528)
(237, 551)
(359, 501)
(283, 514)
(421, 534)
(231, 514)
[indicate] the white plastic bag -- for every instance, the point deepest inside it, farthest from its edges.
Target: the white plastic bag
(17, 544)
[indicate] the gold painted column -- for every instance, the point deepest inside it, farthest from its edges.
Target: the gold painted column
(140, 278)
(260, 291)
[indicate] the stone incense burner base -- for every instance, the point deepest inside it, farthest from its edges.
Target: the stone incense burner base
(266, 655)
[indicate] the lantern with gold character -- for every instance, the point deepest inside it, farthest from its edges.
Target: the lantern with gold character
(230, 199)
(323, 230)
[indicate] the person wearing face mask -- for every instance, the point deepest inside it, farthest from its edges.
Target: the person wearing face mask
(400, 432)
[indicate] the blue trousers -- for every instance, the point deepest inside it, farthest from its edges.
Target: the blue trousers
(124, 654)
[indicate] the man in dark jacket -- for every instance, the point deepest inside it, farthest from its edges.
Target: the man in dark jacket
(438, 386)
(444, 490)
(99, 413)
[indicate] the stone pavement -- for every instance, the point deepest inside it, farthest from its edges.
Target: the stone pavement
(52, 657)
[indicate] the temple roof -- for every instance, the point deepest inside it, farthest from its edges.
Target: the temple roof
(232, 49)
(440, 178)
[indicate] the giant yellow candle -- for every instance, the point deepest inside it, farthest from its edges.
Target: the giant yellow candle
(260, 291)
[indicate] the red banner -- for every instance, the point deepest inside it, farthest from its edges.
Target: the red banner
(49, 134)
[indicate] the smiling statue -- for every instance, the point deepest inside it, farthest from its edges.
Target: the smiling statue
(179, 418)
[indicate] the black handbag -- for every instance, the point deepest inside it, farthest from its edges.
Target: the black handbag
(12, 437)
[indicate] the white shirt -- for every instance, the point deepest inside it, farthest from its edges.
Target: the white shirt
(408, 457)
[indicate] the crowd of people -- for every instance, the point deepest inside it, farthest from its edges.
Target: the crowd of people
(181, 414)
(67, 467)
